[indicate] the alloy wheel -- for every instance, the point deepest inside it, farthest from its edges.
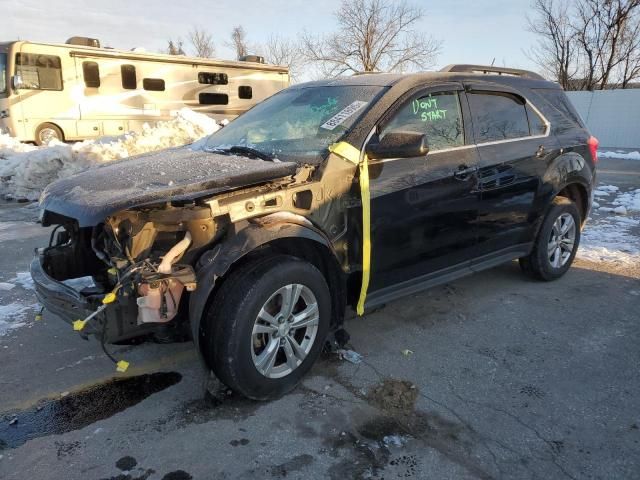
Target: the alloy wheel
(284, 331)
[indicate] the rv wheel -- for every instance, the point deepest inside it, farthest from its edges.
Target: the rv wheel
(47, 132)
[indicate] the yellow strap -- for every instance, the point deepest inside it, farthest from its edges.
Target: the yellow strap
(346, 151)
(352, 154)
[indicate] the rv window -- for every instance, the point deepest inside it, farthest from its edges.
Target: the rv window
(153, 84)
(3, 72)
(91, 74)
(213, 78)
(129, 79)
(39, 72)
(213, 98)
(245, 92)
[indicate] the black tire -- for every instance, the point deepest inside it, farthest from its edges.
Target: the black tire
(227, 340)
(51, 129)
(538, 264)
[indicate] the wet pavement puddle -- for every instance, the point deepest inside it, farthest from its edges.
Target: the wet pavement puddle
(81, 408)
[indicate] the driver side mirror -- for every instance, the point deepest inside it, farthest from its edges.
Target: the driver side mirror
(16, 82)
(398, 145)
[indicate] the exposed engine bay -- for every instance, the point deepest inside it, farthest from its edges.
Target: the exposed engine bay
(140, 259)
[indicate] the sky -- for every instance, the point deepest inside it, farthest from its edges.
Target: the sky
(471, 31)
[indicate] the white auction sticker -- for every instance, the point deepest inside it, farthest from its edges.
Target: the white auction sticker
(341, 116)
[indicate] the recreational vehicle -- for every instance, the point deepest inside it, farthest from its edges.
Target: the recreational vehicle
(77, 90)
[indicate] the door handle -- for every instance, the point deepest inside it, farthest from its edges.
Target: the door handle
(463, 172)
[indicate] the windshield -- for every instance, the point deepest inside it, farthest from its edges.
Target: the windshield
(297, 124)
(3, 73)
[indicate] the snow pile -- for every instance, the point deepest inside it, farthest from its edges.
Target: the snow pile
(630, 201)
(612, 238)
(25, 169)
(620, 155)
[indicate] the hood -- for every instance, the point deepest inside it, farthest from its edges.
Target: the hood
(174, 174)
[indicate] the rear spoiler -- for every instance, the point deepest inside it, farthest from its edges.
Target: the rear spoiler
(463, 68)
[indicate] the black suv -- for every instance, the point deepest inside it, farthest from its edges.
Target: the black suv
(348, 192)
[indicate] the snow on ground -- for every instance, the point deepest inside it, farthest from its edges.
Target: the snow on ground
(612, 233)
(26, 169)
(620, 155)
(13, 316)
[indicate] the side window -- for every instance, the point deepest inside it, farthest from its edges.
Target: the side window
(129, 79)
(536, 124)
(210, 78)
(91, 74)
(498, 116)
(245, 92)
(153, 84)
(39, 72)
(438, 115)
(213, 99)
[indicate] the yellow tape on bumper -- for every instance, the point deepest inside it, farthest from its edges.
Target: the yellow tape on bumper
(352, 154)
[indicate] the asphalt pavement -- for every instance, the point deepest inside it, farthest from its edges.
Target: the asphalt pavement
(491, 376)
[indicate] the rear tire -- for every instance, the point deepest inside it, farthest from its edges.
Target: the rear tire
(255, 341)
(556, 244)
(47, 132)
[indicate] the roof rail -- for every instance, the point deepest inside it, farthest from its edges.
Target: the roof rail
(491, 70)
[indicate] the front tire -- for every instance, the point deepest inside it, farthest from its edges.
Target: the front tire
(557, 242)
(48, 132)
(266, 326)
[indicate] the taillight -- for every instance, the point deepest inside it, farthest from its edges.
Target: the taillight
(593, 148)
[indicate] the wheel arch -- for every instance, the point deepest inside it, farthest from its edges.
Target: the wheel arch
(570, 176)
(251, 241)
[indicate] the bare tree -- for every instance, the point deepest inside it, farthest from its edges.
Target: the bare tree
(284, 51)
(238, 41)
(629, 68)
(202, 43)
(587, 44)
(556, 50)
(175, 47)
(373, 35)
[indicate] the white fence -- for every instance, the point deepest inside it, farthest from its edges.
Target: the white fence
(613, 116)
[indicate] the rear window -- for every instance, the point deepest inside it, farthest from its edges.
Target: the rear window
(39, 72)
(498, 116)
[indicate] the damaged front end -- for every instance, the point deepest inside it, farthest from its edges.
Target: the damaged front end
(136, 267)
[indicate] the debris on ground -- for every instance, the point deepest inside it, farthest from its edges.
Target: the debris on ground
(406, 352)
(394, 396)
(394, 440)
(350, 356)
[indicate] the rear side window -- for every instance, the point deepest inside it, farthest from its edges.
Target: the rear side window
(153, 84)
(129, 79)
(559, 104)
(536, 124)
(91, 74)
(39, 72)
(498, 116)
(437, 115)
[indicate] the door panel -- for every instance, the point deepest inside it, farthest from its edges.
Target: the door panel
(514, 148)
(423, 215)
(423, 209)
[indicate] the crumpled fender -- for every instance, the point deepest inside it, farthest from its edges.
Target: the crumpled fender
(247, 237)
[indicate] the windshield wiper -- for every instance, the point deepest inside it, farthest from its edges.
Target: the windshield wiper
(242, 150)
